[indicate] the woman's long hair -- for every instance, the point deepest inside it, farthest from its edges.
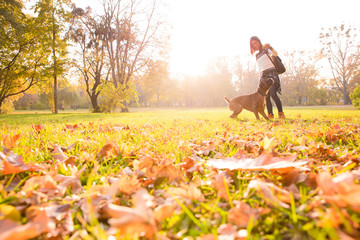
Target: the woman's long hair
(254, 38)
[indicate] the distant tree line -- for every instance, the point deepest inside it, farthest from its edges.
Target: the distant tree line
(59, 56)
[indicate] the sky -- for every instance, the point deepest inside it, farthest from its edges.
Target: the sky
(202, 30)
(205, 29)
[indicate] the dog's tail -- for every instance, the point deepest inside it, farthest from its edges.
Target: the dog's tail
(227, 100)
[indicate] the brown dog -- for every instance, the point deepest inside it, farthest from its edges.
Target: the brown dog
(254, 102)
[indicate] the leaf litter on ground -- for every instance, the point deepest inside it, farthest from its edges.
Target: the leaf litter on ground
(130, 181)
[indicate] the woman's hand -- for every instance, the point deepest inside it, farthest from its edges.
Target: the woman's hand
(267, 45)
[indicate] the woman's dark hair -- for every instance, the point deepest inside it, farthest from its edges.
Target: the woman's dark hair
(254, 38)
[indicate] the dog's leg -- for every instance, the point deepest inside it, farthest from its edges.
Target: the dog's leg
(264, 115)
(257, 115)
(236, 112)
(236, 108)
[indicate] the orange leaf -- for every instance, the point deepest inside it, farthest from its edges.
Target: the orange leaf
(10, 142)
(38, 127)
(325, 183)
(10, 230)
(188, 191)
(164, 211)
(127, 184)
(340, 190)
(134, 222)
(10, 169)
(241, 214)
(13, 163)
(105, 151)
(219, 185)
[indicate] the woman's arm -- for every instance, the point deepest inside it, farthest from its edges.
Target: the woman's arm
(267, 46)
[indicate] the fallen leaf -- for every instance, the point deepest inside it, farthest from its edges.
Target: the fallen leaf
(189, 191)
(134, 222)
(68, 181)
(38, 127)
(227, 231)
(10, 142)
(58, 154)
(38, 223)
(241, 214)
(10, 230)
(105, 151)
(341, 192)
(325, 183)
(13, 163)
(164, 211)
(262, 163)
(127, 184)
(270, 144)
(218, 183)
(272, 194)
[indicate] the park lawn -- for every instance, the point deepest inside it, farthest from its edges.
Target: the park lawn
(176, 173)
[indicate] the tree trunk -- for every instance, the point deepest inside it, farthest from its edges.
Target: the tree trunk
(158, 99)
(95, 105)
(55, 73)
(124, 108)
(55, 94)
(347, 99)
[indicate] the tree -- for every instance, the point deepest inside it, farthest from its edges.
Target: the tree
(86, 32)
(155, 81)
(218, 82)
(11, 13)
(52, 16)
(247, 78)
(355, 96)
(130, 29)
(299, 83)
(343, 55)
(20, 68)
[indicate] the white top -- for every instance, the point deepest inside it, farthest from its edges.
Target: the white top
(264, 61)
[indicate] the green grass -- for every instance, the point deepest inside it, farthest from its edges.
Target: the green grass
(142, 115)
(168, 137)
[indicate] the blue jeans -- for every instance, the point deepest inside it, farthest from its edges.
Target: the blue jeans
(274, 89)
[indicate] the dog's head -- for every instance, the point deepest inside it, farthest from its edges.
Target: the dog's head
(265, 85)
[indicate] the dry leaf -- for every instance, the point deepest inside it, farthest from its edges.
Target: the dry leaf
(10, 142)
(241, 215)
(341, 192)
(218, 183)
(270, 144)
(127, 184)
(227, 231)
(134, 222)
(262, 163)
(58, 154)
(105, 151)
(272, 194)
(10, 230)
(187, 191)
(164, 211)
(68, 181)
(13, 163)
(38, 127)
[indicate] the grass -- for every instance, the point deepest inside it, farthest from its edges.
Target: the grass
(168, 137)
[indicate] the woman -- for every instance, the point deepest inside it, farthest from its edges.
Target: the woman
(268, 70)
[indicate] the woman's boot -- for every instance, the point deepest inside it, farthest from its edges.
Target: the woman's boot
(282, 115)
